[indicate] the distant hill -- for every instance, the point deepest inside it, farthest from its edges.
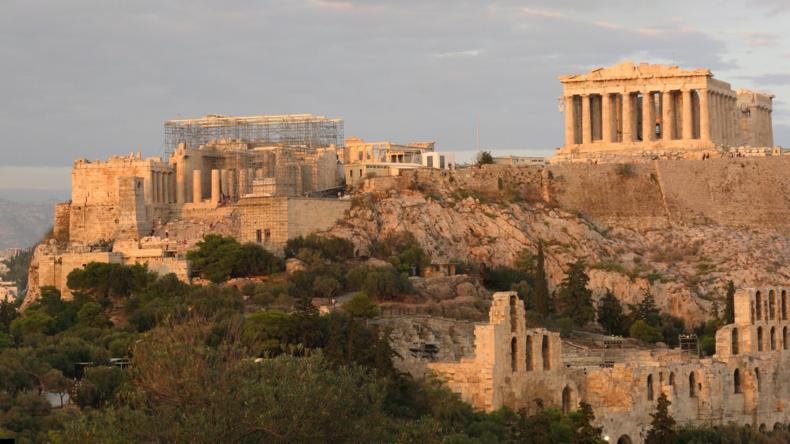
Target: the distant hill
(22, 224)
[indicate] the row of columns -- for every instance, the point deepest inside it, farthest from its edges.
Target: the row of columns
(162, 189)
(723, 125)
(225, 183)
(630, 116)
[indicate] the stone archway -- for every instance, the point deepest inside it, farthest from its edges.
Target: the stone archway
(625, 439)
(567, 401)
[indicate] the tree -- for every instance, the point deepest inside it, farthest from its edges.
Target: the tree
(586, 433)
(611, 315)
(729, 310)
(645, 332)
(541, 286)
(216, 257)
(254, 260)
(361, 306)
(662, 428)
(647, 310)
(485, 158)
(574, 298)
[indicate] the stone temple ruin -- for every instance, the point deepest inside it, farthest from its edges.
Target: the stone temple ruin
(519, 367)
(660, 111)
(259, 178)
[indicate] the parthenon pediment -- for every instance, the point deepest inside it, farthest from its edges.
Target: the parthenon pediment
(631, 70)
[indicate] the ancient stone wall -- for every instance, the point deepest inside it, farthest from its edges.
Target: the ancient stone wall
(271, 221)
(745, 382)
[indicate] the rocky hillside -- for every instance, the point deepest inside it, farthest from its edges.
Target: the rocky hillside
(24, 224)
(489, 215)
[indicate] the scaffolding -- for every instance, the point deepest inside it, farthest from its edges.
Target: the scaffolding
(283, 130)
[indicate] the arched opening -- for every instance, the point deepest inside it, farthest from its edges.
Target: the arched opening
(625, 439)
(778, 426)
(649, 387)
(784, 338)
(512, 313)
(544, 351)
(773, 338)
(734, 341)
(692, 385)
(672, 379)
(528, 355)
(566, 400)
(784, 305)
(759, 384)
(736, 381)
(758, 305)
(513, 355)
(762, 428)
(759, 339)
(771, 304)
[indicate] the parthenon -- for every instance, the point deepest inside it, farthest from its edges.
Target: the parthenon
(631, 109)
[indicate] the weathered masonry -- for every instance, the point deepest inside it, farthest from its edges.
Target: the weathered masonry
(631, 107)
(745, 382)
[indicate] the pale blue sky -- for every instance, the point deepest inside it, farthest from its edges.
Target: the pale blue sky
(93, 78)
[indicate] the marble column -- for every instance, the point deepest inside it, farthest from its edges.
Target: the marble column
(570, 137)
(606, 118)
(161, 178)
(715, 133)
(223, 182)
(197, 187)
(628, 118)
(704, 115)
(667, 116)
(648, 117)
(215, 186)
(586, 122)
(180, 184)
(688, 116)
(243, 178)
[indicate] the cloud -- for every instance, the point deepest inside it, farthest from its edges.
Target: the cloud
(762, 39)
(453, 54)
(776, 79)
(542, 13)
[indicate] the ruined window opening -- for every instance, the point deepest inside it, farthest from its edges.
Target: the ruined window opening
(734, 341)
(545, 353)
(773, 338)
(759, 339)
(692, 385)
(757, 378)
(752, 311)
(784, 305)
(267, 235)
(528, 355)
(771, 304)
(649, 387)
(258, 236)
(672, 379)
(759, 305)
(736, 381)
(513, 355)
(784, 338)
(566, 400)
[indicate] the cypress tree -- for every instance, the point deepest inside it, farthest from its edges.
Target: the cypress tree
(611, 315)
(729, 310)
(662, 428)
(586, 433)
(574, 299)
(541, 290)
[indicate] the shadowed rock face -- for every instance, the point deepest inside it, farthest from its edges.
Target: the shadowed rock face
(680, 228)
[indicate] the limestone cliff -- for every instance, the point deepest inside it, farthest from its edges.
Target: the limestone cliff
(676, 227)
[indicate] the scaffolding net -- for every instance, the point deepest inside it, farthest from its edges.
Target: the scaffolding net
(284, 130)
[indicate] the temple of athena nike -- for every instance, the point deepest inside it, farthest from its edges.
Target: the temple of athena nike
(660, 112)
